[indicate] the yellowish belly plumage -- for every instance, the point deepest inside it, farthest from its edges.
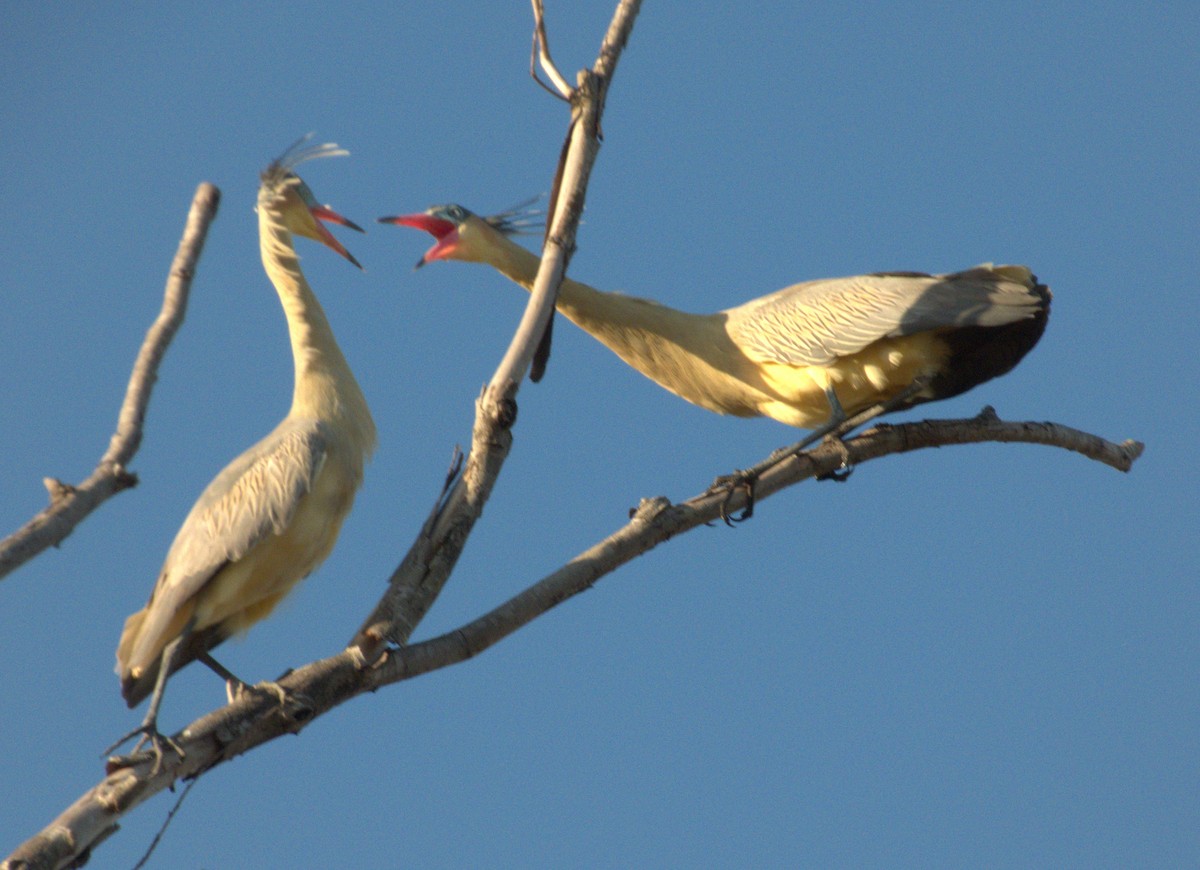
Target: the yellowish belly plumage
(877, 373)
(246, 591)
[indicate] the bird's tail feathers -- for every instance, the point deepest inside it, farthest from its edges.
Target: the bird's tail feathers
(135, 689)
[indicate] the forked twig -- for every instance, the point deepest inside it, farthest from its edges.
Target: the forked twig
(540, 52)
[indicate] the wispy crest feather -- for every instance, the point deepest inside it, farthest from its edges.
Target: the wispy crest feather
(300, 152)
(522, 219)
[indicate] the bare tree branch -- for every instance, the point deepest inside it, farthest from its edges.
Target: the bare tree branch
(316, 688)
(568, 194)
(69, 505)
(656, 520)
(419, 579)
(377, 655)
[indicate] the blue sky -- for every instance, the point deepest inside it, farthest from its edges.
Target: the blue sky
(979, 655)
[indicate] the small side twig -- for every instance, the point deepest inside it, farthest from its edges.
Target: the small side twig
(145, 859)
(69, 505)
(541, 53)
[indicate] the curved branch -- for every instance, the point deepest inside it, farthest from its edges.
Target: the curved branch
(318, 687)
(656, 520)
(69, 505)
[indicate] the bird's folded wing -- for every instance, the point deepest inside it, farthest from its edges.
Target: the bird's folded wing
(254, 497)
(817, 322)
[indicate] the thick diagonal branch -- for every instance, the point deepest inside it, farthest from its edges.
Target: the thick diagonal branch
(258, 718)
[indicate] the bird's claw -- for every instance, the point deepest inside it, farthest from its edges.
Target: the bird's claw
(149, 734)
(842, 473)
(838, 475)
(234, 689)
(741, 481)
(292, 705)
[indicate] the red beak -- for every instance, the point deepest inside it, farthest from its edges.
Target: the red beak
(444, 231)
(328, 215)
(325, 213)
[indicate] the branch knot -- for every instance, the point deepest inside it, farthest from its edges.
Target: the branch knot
(58, 490)
(648, 509)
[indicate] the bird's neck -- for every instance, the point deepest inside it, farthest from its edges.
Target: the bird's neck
(325, 388)
(691, 355)
(614, 318)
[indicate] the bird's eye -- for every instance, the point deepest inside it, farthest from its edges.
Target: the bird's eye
(456, 213)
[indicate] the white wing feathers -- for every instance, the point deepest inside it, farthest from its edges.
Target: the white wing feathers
(816, 322)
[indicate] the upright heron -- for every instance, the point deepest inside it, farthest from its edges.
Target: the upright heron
(273, 514)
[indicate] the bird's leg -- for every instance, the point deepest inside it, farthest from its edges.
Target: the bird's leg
(235, 685)
(149, 727)
(838, 426)
(837, 414)
(833, 431)
(746, 479)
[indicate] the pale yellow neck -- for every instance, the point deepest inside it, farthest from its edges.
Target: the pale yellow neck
(619, 321)
(520, 266)
(325, 388)
(691, 355)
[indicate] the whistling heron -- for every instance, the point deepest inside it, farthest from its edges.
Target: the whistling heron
(273, 514)
(810, 354)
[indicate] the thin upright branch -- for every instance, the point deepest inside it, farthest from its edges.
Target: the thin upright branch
(419, 579)
(568, 194)
(69, 505)
(314, 689)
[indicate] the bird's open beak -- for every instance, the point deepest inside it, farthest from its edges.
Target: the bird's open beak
(325, 213)
(322, 235)
(444, 231)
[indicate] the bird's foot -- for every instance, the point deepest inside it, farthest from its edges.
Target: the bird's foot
(293, 705)
(731, 484)
(158, 741)
(842, 473)
(235, 688)
(746, 480)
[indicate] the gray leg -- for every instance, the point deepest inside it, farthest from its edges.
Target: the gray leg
(234, 685)
(839, 424)
(149, 727)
